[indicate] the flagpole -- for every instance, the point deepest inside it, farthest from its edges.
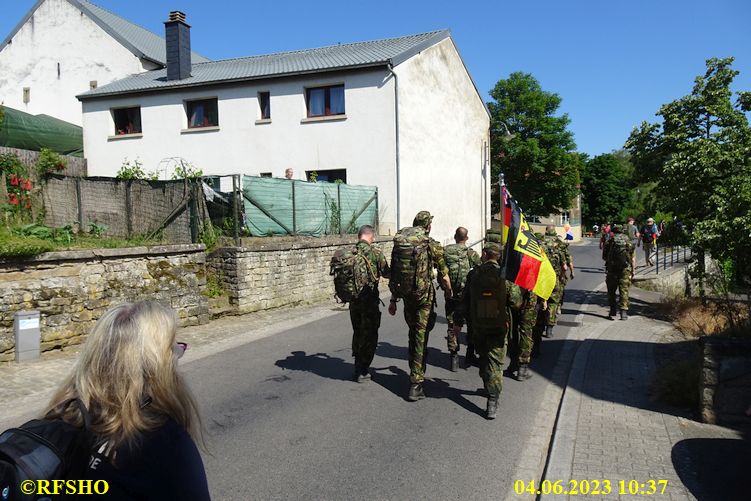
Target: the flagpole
(502, 184)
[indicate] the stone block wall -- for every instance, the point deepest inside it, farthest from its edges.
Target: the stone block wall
(269, 273)
(725, 383)
(72, 289)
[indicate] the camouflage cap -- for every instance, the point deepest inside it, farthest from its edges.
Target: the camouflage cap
(423, 218)
(617, 228)
(539, 235)
(550, 230)
(492, 247)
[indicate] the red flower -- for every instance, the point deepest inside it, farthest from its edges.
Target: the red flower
(26, 184)
(28, 203)
(13, 180)
(13, 199)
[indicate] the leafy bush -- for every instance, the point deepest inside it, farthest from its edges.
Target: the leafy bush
(49, 162)
(10, 164)
(97, 229)
(12, 245)
(186, 170)
(135, 170)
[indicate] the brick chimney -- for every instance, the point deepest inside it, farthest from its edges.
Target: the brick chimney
(177, 35)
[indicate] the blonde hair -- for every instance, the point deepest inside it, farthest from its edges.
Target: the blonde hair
(126, 376)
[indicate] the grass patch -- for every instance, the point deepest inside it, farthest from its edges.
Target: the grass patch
(694, 318)
(31, 240)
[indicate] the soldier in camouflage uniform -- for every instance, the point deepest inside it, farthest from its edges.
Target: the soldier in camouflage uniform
(560, 258)
(459, 260)
(620, 272)
(490, 345)
(524, 305)
(364, 312)
(419, 312)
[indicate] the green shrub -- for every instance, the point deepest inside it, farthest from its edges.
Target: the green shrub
(49, 162)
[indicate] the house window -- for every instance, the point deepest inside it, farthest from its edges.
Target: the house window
(264, 104)
(534, 219)
(265, 174)
(325, 101)
(127, 120)
(564, 218)
(202, 113)
(329, 176)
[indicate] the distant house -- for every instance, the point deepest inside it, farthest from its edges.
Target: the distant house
(62, 48)
(402, 114)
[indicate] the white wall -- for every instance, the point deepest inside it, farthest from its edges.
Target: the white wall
(60, 33)
(363, 143)
(443, 133)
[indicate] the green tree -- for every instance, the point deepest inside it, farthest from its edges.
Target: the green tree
(700, 158)
(605, 193)
(539, 161)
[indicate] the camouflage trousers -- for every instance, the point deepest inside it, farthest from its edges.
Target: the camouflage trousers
(491, 350)
(366, 319)
(420, 318)
(554, 302)
(527, 320)
(620, 281)
(452, 340)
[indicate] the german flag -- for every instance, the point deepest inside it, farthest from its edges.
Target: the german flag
(524, 260)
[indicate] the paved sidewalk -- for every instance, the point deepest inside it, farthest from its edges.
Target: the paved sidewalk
(608, 428)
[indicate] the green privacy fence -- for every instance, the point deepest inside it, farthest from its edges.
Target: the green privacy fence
(285, 207)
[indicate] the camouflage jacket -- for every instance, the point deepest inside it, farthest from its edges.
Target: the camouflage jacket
(557, 252)
(377, 260)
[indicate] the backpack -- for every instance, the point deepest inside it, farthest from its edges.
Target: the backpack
(554, 254)
(619, 253)
(410, 264)
(457, 261)
(488, 294)
(44, 449)
(352, 272)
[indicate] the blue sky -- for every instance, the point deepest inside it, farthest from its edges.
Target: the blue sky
(614, 62)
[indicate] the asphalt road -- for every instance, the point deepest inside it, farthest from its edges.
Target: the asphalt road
(285, 421)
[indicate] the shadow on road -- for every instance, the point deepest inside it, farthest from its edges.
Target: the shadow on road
(321, 364)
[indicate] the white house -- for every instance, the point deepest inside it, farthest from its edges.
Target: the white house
(402, 114)
(62, 48)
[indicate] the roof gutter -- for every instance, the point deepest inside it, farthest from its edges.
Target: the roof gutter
(396, 163)
(230, 81)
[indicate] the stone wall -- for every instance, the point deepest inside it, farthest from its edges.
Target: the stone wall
(269, 273)
(72, 289)
(725, 383)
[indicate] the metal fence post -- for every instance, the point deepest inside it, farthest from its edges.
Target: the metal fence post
(128, 208)
(294, 210)
(377, 218)
(80, 205)
(236, 201)
(339, 207)
(657, 258)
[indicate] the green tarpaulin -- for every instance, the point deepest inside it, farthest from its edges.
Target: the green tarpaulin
(34, 132)
(282, 207)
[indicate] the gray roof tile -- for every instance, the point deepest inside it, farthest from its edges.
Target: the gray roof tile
(336, 57)
(140, 41)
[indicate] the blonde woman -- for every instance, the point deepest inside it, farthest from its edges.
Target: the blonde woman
(142, 414)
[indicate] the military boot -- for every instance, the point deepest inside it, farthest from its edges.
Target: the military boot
(549, 331)
(523, 373)
(624, 315)
(611, 315)
(454, 361)
(416, 392)
(492, 409)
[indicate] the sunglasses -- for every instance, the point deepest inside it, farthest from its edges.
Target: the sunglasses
(179, 349)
